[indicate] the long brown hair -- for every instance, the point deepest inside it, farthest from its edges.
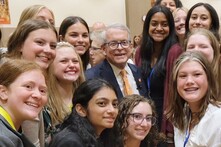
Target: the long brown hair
(216, 55)
(21, 33)
(175, 111)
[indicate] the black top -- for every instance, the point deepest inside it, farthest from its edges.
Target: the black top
(155, 83)
(77, 132)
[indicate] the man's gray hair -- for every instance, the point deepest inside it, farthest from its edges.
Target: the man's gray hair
(115, 26)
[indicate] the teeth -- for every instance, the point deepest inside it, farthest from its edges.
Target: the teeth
(119, 55)
(142, 132)
(71, 72)
(191, 89)
(31, 104)
(44, 58)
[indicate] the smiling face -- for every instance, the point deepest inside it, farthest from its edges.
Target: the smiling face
(66, 65)
(39, 47)
(192, 83)
(120, 55)
(159, 27)
(200, 18)
(78, 36)
(179, 20)
(198, 42)
(102, 109)
(137, 131)
(26, 96)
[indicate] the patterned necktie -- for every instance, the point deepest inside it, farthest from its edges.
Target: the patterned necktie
(126, 86)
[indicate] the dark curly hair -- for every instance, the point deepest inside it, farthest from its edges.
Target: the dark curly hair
(125, 107)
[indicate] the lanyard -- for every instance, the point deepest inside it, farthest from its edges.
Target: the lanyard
(148, 82)
(187, 137)
(7, 117)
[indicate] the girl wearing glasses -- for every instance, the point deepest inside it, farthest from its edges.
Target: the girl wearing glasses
(135, 123)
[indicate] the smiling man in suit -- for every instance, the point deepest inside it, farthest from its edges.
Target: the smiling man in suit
(118, 49)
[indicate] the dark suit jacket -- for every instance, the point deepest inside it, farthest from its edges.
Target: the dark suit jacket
(104, 71)
(10, 137)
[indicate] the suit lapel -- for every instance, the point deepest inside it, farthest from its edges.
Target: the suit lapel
(108, 74)
(137, 77)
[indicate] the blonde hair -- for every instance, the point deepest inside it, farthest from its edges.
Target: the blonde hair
(216, 48)
(178, 9)
(30, 13)
(57, 107)
(175, 110)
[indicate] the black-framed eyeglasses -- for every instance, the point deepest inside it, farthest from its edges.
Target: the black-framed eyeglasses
(138, 118)
(115, 44)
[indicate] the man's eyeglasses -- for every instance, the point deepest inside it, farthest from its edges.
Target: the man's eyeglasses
(138, 118)
(115, 44)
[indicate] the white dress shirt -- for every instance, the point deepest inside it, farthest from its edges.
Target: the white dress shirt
(130, 77)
